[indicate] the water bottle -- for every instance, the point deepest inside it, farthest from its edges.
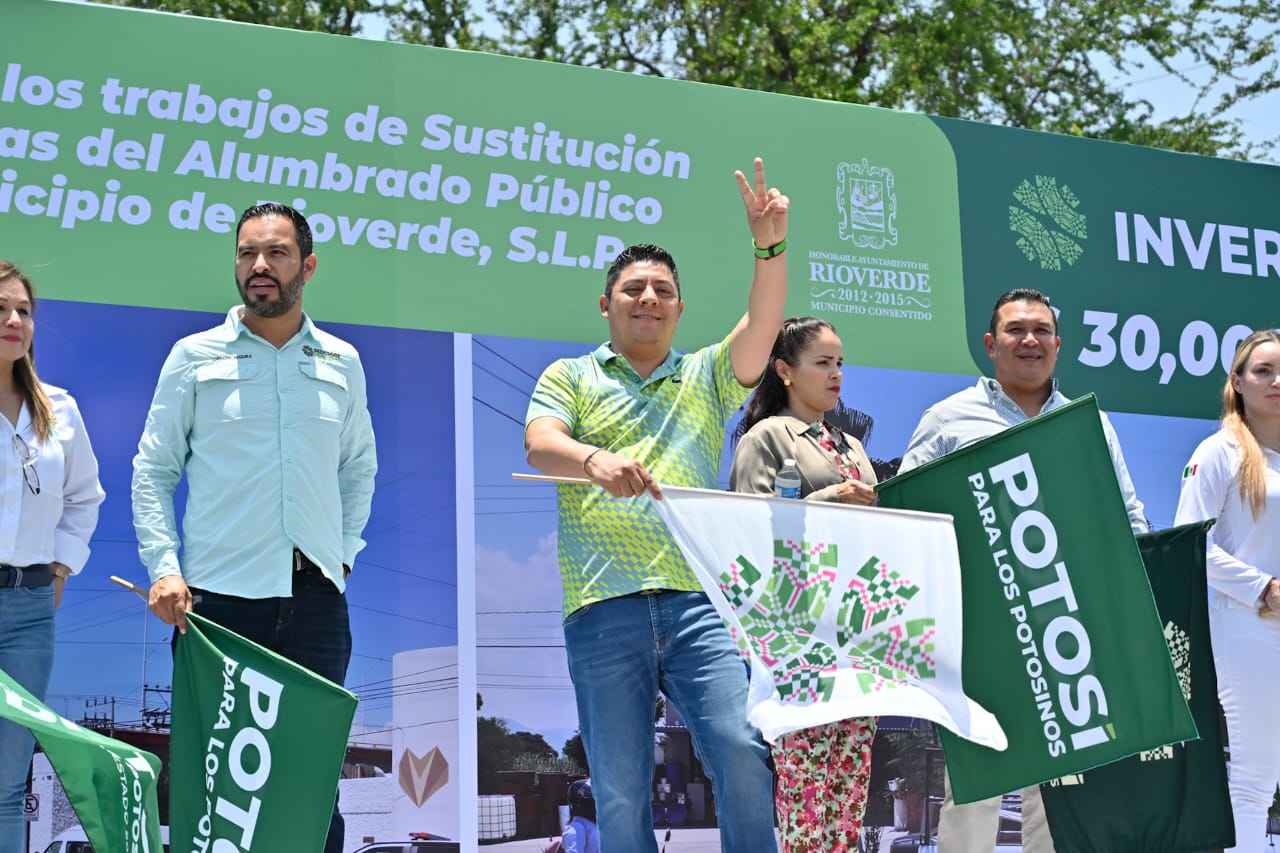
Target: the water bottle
(787, 483)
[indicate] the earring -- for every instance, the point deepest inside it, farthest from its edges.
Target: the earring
(786, 382)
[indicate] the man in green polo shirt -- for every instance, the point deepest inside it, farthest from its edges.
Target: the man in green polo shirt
(629, 416)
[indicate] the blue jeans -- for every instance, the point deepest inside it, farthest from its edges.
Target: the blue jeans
(311, 629)
(621, 653)
(26, 655)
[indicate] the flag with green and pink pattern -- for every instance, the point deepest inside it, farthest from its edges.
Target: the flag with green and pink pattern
(843, 611)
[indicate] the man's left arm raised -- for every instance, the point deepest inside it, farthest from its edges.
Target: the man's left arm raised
(752, 339)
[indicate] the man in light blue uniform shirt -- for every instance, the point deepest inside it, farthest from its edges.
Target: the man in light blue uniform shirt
(1022, 342)
(268, 417)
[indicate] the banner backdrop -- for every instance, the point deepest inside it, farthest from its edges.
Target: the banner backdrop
(457, 196)
(111, 785)
(257, 746)
(513, 187)
(1172, 799)
(1062, 639)
(1097, 228)
(845, 611)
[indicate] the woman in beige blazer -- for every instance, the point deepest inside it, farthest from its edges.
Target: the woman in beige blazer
(824, 771)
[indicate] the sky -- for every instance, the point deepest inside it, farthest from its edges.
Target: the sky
(1170, 97)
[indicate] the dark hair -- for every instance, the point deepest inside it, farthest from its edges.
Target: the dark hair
(770, 396)
(271, 208)
(1021, 294)
(24, 369)
(581, 801)
(634, 255)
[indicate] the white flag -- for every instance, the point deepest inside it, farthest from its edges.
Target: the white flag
(846, 611)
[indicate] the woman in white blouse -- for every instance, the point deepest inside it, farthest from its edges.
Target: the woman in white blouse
(1234, 476)
(49, 496)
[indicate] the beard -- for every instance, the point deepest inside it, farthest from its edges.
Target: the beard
(287, 295)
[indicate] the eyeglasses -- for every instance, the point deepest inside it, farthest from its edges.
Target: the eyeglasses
(29, 472)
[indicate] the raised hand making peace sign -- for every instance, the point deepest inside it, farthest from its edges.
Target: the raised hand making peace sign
(766, 208)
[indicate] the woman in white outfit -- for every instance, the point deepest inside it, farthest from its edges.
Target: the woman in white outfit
(1234, 476)
(49, 496)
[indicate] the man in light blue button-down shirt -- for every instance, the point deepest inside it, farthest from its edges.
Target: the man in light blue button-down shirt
(1022, 342)
(267, 415)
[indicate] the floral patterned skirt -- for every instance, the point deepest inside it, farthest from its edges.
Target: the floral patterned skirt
(823, 774)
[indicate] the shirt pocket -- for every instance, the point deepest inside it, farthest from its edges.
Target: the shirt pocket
(322, 392)
(231, 390)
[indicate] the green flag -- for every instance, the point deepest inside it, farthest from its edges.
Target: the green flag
(257, 746)
(111, 785)
(1062, 641)
(1173, 799)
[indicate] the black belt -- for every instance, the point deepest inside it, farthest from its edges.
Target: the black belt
(36, 574)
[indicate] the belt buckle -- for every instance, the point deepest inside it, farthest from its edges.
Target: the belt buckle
(651, 591)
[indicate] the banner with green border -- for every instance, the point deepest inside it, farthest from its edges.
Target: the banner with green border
(456, 191)
(1160, 263)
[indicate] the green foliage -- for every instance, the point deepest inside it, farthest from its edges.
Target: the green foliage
(499, 748)
(531, 744)
(574, 750)
(1042, 66)
(324, 16)
(908, 758)
(440, 23)
(1056, 66)
(493, 752)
